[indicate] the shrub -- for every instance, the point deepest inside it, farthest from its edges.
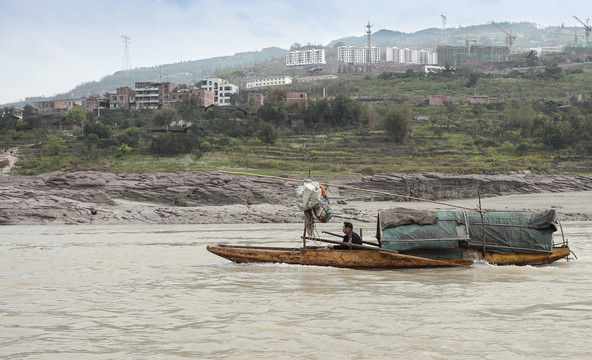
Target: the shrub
(397, 122)
(170, 144)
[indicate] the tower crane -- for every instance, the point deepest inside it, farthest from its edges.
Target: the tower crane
(587, 27)
(466, 38)
(509, 37)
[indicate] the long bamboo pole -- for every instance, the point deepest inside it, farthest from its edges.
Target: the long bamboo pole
(341, 236)
(352, 188)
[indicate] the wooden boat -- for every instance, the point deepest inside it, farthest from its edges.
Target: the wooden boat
(423, 239)
(371, 258)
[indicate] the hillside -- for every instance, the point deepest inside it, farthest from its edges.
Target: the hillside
(527, 35)
(180, 73)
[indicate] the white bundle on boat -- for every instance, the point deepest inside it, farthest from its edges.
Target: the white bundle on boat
(308, 195)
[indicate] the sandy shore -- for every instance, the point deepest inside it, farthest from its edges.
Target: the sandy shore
(215, 198)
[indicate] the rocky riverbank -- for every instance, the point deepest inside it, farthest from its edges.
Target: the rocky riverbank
(184, 197)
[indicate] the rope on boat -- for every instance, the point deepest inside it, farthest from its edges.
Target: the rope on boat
(565, 242)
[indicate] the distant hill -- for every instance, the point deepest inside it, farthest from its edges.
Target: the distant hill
(187, 72)
(527, 35)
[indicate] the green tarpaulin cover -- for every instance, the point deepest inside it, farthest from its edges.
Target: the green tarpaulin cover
(506, 231)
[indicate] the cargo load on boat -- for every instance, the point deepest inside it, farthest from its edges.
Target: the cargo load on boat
(523, 232)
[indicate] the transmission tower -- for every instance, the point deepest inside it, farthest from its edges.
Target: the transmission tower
(443, 21)
(126, 64)
(369, 31)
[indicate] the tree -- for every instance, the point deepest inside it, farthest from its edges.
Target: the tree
(75, 116)
(164, 117)
(532, 59)
(397, 122)
(189, 109)
(54, 146)
(345, 111)
(473, 77)
(274, 109)
(267, 133)
(553, 71)
(371, 116)
(317, 113)
(170, 144)
(520, 115)
(97, 128)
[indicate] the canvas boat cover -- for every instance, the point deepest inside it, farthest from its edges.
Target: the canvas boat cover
(403, 229)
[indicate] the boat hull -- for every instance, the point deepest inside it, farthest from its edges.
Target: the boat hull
(368, 259)
(558, 253)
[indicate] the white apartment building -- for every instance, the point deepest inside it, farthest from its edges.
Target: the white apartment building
(305, 57)
(358, 54)
(411, 56)
(221, 89)
(270, 81)
(540, 50)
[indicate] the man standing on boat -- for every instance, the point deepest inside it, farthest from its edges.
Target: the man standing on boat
(349, 237)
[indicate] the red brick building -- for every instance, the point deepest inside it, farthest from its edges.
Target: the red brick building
(255, 99)
(438, 100)
(206, 98)
(296, 98)
(478, 99)
(123, 98)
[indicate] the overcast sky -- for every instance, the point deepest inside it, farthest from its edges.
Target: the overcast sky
(50, 46)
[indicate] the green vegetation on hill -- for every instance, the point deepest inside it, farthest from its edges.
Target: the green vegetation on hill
(539, 118)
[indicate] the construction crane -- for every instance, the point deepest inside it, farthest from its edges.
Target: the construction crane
(587, 27)
(509, 37)
(466, 38)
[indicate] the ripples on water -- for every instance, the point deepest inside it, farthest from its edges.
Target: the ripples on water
(154, 292)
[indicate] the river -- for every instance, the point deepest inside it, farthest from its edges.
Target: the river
(154, 292)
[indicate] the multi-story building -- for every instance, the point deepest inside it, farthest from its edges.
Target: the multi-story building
(58, 107)
(296, 98)
(305, 57)
(358, 54)
(205, 97)
(293, 98)
(393, 54)
(255, 99)
(410, 56)
(221, 89)
(151, 95)
(95, 103)
(123, 97)
(11, 112)
(456, 55)
(270, 81)
(304, 79)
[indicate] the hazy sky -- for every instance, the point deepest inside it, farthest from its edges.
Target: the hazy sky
(50, 46)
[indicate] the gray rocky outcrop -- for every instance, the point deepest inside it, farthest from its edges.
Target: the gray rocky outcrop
(215, 197)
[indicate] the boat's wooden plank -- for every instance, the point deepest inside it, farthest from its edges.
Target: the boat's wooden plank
(329, 257)
(368, 259)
